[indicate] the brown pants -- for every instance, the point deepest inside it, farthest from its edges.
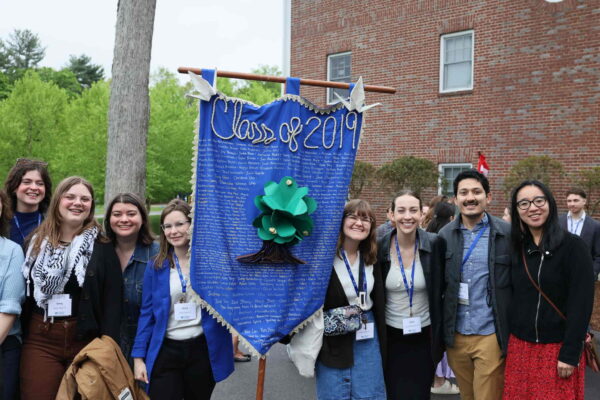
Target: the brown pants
(478, 366)
(48, 350)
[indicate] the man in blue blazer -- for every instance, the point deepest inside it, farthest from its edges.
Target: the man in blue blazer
(577, 222)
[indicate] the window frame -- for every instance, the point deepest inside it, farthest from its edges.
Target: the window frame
(330, 90)
(441, 167)
(442, 58)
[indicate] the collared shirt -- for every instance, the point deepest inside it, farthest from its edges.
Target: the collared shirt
(573, 225)
(477, 318)
(12, 289)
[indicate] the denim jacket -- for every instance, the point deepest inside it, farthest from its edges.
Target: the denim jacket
(133, 281)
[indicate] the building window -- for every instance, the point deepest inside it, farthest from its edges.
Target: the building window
(338, 70)
(456, 61)
(447, 174)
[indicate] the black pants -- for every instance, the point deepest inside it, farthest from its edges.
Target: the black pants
(182, 371)
(409, 370)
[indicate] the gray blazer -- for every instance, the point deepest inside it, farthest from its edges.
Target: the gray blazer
(499, 262)
(590, 233)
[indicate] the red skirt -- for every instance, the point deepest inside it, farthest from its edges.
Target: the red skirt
(531, 373)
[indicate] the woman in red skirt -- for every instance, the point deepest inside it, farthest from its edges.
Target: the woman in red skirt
(553, 291)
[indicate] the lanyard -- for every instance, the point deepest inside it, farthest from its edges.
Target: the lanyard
(361, 271)
(19, 225)
(181, 278)
(409, 289)
(472, 247)
(574, 231)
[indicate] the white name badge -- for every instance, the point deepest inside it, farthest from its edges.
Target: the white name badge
(59, 305)
(366, 331)
(411, 325)
(463, 294)
(185, 311)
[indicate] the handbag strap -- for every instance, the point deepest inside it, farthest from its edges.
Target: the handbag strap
(535, 285)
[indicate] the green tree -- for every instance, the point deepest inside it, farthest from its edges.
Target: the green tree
(24, 50)
(4, 59)
(409, 172)
(85, 72)
(64, 79)
(257, 92)
(362, 175)
(589, 179)
(542, 168)
(5, 86)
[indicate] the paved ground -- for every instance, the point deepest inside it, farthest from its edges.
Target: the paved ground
(282, 382)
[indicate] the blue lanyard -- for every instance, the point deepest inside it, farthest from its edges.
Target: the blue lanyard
(466, 257)
(361, 271)
(181, 278)
(574, 231)
(409, 289)
(19, 225)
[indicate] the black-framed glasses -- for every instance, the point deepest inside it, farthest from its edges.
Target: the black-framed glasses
(177, 225)
(538, 201)
(356, 218)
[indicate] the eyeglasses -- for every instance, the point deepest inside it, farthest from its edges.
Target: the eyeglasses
(176, 225)
(354, 218)
(538, 201)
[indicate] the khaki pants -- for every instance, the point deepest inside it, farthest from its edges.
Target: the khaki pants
(478, 365)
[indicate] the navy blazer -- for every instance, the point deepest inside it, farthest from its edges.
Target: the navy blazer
(152, 326)
(590, 233)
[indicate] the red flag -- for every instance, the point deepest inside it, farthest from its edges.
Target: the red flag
(482, 165)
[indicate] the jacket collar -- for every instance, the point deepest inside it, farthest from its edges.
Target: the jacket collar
(425, 242)
(455, 224)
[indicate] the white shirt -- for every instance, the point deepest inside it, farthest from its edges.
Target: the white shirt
(182, 330)
(575, 225)
(397, 304)
(342, 273)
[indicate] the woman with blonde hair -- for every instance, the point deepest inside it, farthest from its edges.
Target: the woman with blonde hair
(73, 289)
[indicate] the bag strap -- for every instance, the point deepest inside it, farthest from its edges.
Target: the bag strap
(535, 285)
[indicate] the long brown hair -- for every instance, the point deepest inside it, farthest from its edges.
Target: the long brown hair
(367, 247)
(15, 176)
(165, 251)
(50, 227)
(5, 214)
(145, 235)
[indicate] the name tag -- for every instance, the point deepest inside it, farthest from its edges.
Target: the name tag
(125, 394)
(463, 294)
(411, 325)
(59, 305)
(366, 331)
(185, 311)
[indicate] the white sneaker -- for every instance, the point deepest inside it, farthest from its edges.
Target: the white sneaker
(447, 388)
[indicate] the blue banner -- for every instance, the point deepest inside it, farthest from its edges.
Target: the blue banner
(240, 147)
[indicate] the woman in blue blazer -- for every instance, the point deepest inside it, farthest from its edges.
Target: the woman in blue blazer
(180, 351)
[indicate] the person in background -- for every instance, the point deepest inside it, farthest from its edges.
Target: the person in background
(12, 294)
(178, 352)
(29, 187)
(579, 223)
(127, 226)
(350, 366)
(506, 215)
(387, 226)
(553, 291)
(429, 212)
(73, 286)
(412, 264)
(443, 214)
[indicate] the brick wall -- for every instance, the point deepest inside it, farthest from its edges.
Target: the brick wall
(536, 80)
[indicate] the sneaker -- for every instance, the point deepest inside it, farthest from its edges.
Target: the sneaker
(447, 388)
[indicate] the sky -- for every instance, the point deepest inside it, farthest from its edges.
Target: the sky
(231, 35)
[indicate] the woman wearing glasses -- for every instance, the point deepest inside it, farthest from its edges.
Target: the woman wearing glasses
(411, 261)
(553, 291)
(349, 366)
(74, 289)
(170, 351)
(29, 187)
(128, 228)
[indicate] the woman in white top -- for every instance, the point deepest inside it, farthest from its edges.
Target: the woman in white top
(411, 261)
(350, 366)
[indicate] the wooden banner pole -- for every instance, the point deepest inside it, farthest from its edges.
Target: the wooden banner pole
(281, 79)
(260, 383)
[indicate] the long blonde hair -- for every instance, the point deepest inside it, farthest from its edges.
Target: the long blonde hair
(50, 227)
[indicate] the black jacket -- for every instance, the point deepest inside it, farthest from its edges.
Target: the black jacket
(590, 233)
(431, 253)
(101, 296)
(566, 278)
(337, 351)
(499, 269)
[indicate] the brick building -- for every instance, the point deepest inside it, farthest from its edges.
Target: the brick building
(508, 78)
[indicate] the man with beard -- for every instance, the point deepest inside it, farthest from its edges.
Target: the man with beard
(477, 294)
(579, 223)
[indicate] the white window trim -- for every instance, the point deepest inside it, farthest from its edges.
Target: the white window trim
(328, 71)
(442, 52)
(441, 171)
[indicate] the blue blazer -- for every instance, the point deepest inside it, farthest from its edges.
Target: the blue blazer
(152, 326)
